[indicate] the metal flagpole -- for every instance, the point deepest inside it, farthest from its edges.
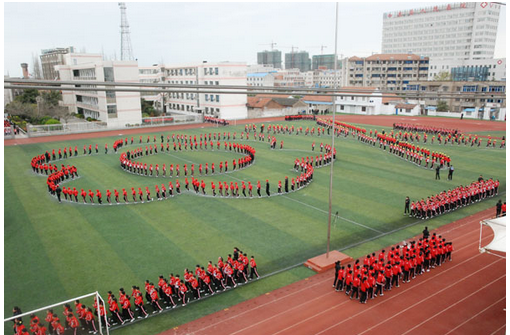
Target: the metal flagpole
(332, 138)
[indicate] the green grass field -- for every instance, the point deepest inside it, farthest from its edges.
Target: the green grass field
(57, 251)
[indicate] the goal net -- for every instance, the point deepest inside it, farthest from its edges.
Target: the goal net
(81, 315)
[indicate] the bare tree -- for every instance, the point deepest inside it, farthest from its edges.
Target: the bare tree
(36, 67)
(21, 109)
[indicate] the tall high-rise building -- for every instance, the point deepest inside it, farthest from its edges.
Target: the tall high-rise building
(463, 30)
(324, 62)
(298, 60)
(52, 57)
(273, 58)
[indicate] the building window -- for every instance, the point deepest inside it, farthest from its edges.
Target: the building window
(363, 109)
(216, 71)
(217, 98)
(342, 107)
(108, 74)
(207, 97)
(112, 111)
(469, 88)
(496, 89)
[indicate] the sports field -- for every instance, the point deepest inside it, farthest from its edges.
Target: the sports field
(58, 251)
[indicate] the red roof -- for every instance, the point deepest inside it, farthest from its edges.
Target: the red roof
(317, 98)
(406, 106)
(256, 102)
(390, 97)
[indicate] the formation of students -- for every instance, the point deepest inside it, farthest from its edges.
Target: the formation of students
(382, 272)
(299, 117)
(236, 269)
(129, 164)
(280, 129)
(444, 136)
(419, 156)
(214, 120)
(409, 127)
(450, 200)
(41, 164)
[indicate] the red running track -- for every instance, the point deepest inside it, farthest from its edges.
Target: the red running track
(465, 296)
(378, 120)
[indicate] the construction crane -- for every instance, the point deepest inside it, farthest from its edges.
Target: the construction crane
(321, 46)
(272, 44)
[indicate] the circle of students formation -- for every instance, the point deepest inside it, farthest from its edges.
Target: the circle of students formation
(236, 269)
(379, 273)
(376, 275)
(42, 164)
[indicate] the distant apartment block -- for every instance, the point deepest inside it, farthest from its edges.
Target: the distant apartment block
(51, 58)
(469, 70)
(461, 98)
(298, 60)
(291, 78)
(261, 79)
(271, 58)
(388, 72)
(462, 30)
(324, 62)
(323, 78)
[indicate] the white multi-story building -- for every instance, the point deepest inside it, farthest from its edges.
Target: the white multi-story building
(473, 69)
(327, 78)
(51, 58)
(223, 106)
(149, 75)
(363, 101)
(290, 78)
(258, 68)
(260, 79)
(117, 109)
(463, 30)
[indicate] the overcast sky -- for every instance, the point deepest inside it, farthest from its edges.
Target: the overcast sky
(178, 32)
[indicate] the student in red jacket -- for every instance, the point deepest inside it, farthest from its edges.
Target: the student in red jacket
(154, 299)
(139, 301)
(340, 279)
(396, 271)
(114, 308)
(89, 318)
(356, 282)
(253, 270)
(380, 281)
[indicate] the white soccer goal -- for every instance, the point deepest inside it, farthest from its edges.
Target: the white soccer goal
(58, 309)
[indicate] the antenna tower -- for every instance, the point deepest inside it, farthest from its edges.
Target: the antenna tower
(126, 51)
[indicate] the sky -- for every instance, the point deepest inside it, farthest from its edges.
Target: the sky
(181, 32)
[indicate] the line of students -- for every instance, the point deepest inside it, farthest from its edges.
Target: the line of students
(450, 200)
(128, 164)
(214, 120)
(444, 136)
(376, 274)
(424, 129)
(166, 294)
